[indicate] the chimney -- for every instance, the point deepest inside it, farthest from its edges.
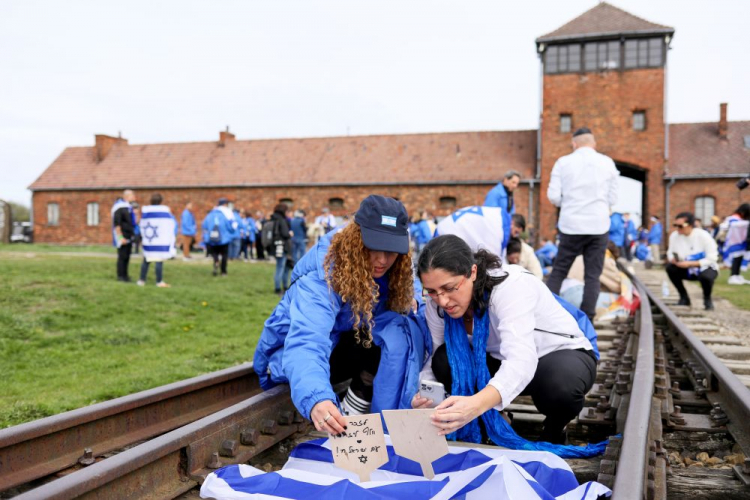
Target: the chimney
(104, 144)
(723, 125)
(225, 137)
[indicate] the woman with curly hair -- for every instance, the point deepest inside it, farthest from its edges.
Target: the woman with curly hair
(351, 312)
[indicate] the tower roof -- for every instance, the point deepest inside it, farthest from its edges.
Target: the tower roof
(602, 21)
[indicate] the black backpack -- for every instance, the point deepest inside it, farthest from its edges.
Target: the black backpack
(268, 235)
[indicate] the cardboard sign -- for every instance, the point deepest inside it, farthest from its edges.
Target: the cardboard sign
(362, 449)
(415, 438)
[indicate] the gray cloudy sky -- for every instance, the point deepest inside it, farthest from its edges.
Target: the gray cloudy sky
(176, 71)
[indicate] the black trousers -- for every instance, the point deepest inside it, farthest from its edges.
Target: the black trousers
(220, 251)
(706, 278)
(259, 250)
(349, 359)
(558, 388)
(736, 265)
(123, 260)
(593, 248)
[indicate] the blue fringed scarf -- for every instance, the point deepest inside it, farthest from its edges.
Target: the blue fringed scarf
(471, 375)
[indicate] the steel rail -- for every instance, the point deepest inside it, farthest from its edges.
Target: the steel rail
(173, 463)
(42, 447)
(723, 385)
(631, 473)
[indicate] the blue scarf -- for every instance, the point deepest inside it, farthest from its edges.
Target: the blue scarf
(471, 375)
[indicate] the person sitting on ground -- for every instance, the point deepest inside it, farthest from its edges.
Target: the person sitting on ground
(525, 257)
(734, 233)
(349, 314)
(692, 255)
(522, 335)
(159, 232)
(219, 229)
(547, 253)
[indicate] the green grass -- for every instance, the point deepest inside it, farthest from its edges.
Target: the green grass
(47, 248)
(737, 295)
(71, 335)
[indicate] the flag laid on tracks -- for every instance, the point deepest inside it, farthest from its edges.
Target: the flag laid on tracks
(466, 473)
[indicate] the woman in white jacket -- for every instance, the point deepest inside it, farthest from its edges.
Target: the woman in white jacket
(499, 333)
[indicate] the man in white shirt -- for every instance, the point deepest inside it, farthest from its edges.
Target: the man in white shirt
(584, 185)
(692, 255)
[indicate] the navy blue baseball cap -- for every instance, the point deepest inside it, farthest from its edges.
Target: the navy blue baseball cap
(383, 223)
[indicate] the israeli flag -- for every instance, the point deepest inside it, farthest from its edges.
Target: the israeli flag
(464, 473)
(158, 228)
(479, 227)
(735, 244)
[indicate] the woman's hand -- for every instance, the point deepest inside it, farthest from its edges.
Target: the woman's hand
(455, 412)
(419, 402)
(327, 418)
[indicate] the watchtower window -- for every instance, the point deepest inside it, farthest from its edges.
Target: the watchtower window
(644, 53)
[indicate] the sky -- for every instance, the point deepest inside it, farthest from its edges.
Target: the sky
(179, 71)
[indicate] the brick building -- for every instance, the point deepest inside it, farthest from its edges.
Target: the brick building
(606, 69)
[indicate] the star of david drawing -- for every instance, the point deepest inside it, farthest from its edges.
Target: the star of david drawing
(150, 232)
(363, 459)
(470, 210)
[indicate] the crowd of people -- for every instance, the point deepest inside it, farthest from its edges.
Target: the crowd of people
(390, 302)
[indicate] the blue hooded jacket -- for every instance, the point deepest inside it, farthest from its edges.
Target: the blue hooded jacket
(654, 234)
(617, 229)
(297, 340)
(188, 223)
(228, 229)
(498, 197)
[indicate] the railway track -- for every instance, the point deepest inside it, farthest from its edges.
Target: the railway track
(658, 385)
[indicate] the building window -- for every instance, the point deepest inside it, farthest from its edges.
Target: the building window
(704, 208)
(92, 214)
(565, 124)
(447, 202)
(639, 120)
(563, 59)
(287, 201)
(644, 53)
(53, 214)
(336, 203)
(601, 55)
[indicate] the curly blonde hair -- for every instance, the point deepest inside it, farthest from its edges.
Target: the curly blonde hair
(349, 273)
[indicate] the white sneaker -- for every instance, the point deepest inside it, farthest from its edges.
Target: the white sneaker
(141, 283)
(736, 280)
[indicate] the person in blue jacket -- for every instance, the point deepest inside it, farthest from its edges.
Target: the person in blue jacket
(219, 229)
(422, 232)
(502, 194)
(654, 238)
(299, 235)
(351, 312)
(188, 228)
(617, 229)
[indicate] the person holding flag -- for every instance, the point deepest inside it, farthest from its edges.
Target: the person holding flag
(159, 233)
(486, 228)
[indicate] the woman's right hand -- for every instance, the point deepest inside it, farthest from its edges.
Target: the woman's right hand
(419, 402)
(327, 418)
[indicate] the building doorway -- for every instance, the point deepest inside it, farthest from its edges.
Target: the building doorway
(631, 196)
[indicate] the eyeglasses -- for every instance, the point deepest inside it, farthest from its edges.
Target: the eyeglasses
(434, 294)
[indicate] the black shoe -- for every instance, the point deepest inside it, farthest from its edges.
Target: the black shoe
(684, 301)
(124, 279)
(708, 303)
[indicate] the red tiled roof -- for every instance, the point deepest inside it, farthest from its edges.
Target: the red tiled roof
(602, 20)
(464, 157)
(695, 149)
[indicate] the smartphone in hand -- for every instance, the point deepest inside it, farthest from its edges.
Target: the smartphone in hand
(433, 390)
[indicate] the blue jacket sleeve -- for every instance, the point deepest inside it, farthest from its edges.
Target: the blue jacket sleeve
(497, 197)
(308, 345)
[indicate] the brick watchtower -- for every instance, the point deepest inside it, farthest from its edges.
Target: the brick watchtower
(606, 70)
